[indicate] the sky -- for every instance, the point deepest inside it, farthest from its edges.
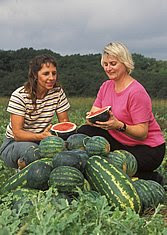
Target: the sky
(85, 26)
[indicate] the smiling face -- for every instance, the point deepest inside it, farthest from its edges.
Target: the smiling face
(46, 78)
(114, 69)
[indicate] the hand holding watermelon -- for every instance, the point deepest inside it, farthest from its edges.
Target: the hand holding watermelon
(101, 115)
(103, 118)
(112, 124)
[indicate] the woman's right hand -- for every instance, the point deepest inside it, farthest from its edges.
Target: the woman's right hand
(87, 120)
(93, 109)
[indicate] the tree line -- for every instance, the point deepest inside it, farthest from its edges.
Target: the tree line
(79, 75)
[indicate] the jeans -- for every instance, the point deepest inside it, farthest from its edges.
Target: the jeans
(12, 150)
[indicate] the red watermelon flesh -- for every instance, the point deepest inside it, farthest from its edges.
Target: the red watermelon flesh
(107, 108)
(63, 127)
(97, 112)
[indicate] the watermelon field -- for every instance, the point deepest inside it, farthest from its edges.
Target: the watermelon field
(49, 212)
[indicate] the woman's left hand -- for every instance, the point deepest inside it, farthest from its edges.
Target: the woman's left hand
(111, 124)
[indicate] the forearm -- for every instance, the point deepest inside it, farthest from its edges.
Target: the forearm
(23, 135)
(138, 132)
(63, 117)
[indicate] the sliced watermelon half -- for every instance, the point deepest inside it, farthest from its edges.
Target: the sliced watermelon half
(101, 115)
(64, 129)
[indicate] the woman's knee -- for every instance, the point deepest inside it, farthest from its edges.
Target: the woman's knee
(86, 129)
(148, 158)
(26, 151)
(91, 130)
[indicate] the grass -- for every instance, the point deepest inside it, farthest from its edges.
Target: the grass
(85, 215)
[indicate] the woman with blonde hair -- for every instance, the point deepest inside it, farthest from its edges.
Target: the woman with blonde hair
(132, 125)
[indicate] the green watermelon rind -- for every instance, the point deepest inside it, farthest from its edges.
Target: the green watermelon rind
(66, 179)
(113, 183)
(101, 115)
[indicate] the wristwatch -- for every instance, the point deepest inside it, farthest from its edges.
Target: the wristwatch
(122, 129)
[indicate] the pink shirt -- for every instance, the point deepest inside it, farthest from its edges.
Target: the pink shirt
(131, 106)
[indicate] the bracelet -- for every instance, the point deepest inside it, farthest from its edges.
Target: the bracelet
(122, 129)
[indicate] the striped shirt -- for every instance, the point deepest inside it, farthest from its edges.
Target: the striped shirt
(21, 104)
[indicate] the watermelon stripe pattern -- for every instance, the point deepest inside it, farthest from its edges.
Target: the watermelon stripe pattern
(144, 194)
(158, 192)
(150, 192)
(76, 141)
(51, 145)
(129, 159)
(20, 178)
(66, 178)
(118, 160)
(97, 145)
(113, 183)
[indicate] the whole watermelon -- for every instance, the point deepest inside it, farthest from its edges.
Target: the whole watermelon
(51, 145)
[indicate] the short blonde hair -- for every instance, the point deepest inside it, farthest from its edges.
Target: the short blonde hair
(120, 52)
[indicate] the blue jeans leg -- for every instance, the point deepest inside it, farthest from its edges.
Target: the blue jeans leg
(12, 150)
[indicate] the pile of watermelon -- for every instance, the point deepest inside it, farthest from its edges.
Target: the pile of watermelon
(87, 163)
